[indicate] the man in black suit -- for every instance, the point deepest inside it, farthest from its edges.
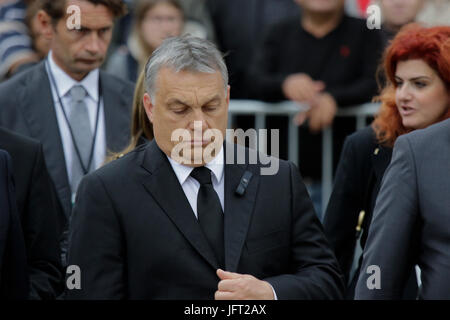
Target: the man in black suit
(14, 281)
(75, 110)
(167, 220)
(40, 214)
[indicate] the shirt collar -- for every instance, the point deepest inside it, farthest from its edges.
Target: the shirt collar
(216, 166)
(65, 82)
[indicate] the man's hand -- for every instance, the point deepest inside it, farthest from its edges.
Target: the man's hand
(321, 113)
(235, 286)
(301, 88)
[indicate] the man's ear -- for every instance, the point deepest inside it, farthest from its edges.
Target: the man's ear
(148, 106)
(45, 24)
(228, 94)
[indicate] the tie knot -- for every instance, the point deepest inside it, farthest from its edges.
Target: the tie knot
(78, 93)
(202, 175)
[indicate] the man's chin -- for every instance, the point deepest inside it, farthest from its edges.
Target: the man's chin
(195, 153)
(86, 66)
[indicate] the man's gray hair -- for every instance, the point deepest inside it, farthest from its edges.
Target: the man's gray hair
(186, 53)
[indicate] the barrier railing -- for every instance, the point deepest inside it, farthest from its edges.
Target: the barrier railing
(261, 110)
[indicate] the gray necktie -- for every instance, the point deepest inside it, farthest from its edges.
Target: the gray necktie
(82, 134)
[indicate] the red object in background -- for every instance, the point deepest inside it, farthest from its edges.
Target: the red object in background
(363, 4)
(344, 51)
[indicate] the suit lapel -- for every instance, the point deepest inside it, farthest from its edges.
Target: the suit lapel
(117, 113)
(166, 190)
(238, 210)
(39, 111)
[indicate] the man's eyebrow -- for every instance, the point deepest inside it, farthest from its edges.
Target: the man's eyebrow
(85, 28)
(214, 99)
(176, 101)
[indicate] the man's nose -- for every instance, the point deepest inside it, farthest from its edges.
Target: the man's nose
(198, 121)
(93, 43)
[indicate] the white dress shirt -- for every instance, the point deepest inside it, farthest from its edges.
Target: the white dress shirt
(64, 83)
(191, 186)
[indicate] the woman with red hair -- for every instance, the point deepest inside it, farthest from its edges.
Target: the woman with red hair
(416, 95)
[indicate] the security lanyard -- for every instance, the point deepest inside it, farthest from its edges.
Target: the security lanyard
(77, 151)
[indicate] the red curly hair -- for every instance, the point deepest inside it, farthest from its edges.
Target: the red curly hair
(432, 45)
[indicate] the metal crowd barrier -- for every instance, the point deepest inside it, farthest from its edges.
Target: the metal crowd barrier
(261, 110)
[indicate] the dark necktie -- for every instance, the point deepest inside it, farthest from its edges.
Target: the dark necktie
(210, 214)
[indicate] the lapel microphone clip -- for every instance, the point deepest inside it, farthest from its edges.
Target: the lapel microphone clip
(243, 184)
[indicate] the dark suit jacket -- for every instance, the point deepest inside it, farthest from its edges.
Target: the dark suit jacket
(411, 220)
(362, 159)
(357, 183)
(41, 215)
(135, 236)
(26, 107)
(14, 282)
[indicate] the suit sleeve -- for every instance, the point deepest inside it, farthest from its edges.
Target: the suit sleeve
(96, 244)
(315, 271)
(43, 227)
(14, 279)
(391, 241)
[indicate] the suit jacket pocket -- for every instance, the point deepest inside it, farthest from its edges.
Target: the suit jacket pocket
(267, 242)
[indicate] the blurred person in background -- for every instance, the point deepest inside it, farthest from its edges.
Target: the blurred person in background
(40, 44)
(357, 8)
(435, 12)
(240, 26)
(326, 60)
(22, 42)
(15, 43)
(397, 13)
(141, 127)
(197, 12)
(417, 94)
(394, 13)
(154, 21)
(197, 16)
